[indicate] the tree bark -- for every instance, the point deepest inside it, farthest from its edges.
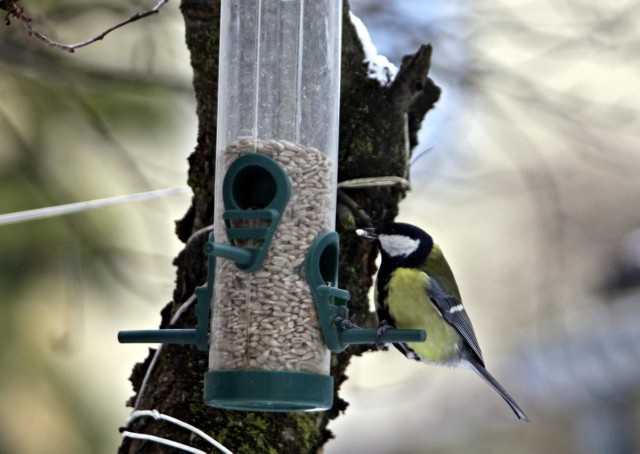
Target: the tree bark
(378, 127)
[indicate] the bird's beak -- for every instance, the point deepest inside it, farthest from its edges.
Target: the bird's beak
(368, 233)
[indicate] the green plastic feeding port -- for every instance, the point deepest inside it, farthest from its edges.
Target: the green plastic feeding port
(331, 302)
(255, 191)
(254, 181)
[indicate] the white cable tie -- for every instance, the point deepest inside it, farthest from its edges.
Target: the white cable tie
(155, 414)
(163, 441)
(61, 210)
(373, 182)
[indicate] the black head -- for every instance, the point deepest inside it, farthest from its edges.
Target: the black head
(401, 244)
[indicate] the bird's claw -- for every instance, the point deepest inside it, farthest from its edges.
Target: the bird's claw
(383, 327)
(342, 318)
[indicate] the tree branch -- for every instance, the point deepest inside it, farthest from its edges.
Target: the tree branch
(13, 10)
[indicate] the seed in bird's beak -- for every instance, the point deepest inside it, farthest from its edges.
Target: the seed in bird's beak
(368, 233)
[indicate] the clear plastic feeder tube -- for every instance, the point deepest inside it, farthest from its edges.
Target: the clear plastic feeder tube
(279, 89)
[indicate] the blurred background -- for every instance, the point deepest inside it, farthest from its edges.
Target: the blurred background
(114, 118)
(526, 174)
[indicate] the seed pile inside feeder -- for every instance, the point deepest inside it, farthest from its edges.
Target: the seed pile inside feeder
(267, 320)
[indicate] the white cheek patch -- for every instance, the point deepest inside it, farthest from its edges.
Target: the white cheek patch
(398, 245)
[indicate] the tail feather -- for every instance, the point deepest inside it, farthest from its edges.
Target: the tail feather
(486, 376)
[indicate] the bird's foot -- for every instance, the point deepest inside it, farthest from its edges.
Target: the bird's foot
(342, 318)
(383, 327)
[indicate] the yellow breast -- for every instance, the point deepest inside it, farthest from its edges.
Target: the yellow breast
(411, 308)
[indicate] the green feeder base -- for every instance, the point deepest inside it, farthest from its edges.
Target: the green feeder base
(268, 390)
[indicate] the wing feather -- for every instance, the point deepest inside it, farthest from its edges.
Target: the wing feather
(453, 312)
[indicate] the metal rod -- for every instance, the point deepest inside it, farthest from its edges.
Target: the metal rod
(369, 336)
(160, 336)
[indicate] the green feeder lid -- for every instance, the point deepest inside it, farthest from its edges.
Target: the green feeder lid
(268, 390)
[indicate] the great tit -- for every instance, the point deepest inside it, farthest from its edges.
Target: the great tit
(415, 289)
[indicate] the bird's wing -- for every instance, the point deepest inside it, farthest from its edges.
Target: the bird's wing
(454, 313)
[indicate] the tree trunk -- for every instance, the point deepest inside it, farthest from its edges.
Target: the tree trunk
(375, 124)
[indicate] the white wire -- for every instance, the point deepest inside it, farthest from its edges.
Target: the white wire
(157, 415)
(181, 310)
(164, 441)
(147, 375)
(195, 235)
(61, 210)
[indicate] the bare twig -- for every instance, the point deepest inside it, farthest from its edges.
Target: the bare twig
(354, 207)
(13, 10)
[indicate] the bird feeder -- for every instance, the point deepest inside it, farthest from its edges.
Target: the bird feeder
(271, 291)
(276, 158)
